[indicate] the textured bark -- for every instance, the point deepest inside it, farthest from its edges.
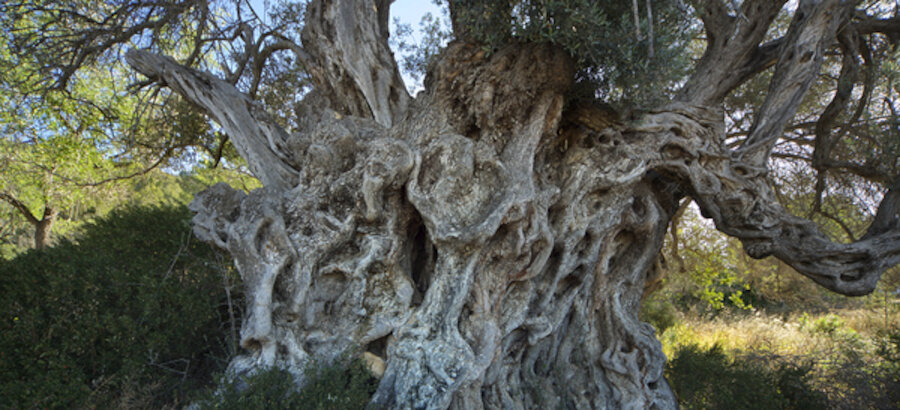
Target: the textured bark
(733, 53)
(489, 248)
(43, 228)
(262, 142)
(800, 59)
(350, 60)
(488, 261)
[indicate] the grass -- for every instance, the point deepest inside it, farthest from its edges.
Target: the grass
(847, 358)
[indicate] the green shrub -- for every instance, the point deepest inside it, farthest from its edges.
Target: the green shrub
(828, 324)
(887, 373)
(795, 383)
(130, 315)
(273, 388)
(345, 384)
(834, 328)
(709, 379)
(660, 313)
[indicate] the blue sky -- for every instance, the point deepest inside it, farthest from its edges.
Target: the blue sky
(408, 11)
(411, 11)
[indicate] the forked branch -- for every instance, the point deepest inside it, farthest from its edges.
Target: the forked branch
(733, 52)
(738, 197)
(20, 206)
(799, 61)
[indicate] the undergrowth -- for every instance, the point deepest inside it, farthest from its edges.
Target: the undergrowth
(344, 384)
(131, 314)
(754, 361)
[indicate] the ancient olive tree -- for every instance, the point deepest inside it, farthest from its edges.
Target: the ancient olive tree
(489, 239)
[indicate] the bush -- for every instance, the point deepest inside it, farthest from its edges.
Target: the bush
(127, 316)
(874, 383)
(889, 366)
(828, 324)
(660, 313)
(345, 384)
(708, 379)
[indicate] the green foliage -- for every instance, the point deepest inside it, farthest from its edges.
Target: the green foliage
(659, 313)
(616, 62)
(160, 188)
(889, 366)
(712, 271)
(58, 148)
(70, 124)
(154, 188)
(709, 379)
(415, 56)
(707, 271)
(718, 282)
(129, 315)
(345, 384)
(828, 324)
(833, 327)
(51, 144)
(267, 389)
(811, 360)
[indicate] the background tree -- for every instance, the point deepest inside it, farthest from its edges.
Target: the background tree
(72, 128)
(50, 145)
(490, 239)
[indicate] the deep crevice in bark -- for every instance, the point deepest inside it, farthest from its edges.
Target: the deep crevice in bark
(423, 254)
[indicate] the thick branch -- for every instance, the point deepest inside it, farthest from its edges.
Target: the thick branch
(350, 61)
(799, 61)
(888, 216)
(825, 141)
(732, 53)
(20, 206)
(738, 197)
(890, 27)
(850, 269)
(869, 170)
(253, 132)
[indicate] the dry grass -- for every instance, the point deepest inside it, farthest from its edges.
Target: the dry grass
(840, 349)
(789, 335)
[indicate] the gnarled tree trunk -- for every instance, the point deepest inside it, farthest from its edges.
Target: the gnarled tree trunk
(491, 248)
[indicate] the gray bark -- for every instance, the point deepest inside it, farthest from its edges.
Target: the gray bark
(733, 53)
(489, 253)
(488, 264)
(799, 61)
(350, 60)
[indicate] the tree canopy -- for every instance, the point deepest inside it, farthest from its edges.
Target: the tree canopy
(76, 122)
